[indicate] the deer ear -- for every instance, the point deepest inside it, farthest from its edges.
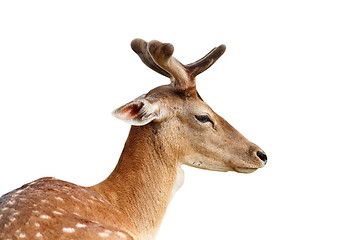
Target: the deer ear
(138, 112)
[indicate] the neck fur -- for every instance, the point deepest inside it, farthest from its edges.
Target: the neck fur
(144, 180)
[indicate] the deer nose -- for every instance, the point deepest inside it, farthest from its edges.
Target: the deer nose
(262, 155)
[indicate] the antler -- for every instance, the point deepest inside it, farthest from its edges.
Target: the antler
(162, 54)
(158, 56)
(139, 46)
(207, 61)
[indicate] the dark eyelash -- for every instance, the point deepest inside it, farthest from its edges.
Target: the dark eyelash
(203, 118)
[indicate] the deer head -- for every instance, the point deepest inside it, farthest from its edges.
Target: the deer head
(200, 137)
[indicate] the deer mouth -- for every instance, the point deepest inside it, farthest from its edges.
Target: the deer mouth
(245, 170)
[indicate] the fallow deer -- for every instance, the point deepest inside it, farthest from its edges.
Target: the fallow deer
(171, 126)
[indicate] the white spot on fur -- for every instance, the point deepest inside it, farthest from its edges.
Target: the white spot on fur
(80, 225)
(120, 234)
(37, 224)
(38, 235)
(22, 235)
(45, 217)
(16, 213)
(19, 191)
(73, 197)
(68, 230)
(59, 198)
(4, 209)
(11, 202)
(44, 201)
(35, 211)
(60, 209)
(12, 219)
(103, 234)
(58, 213)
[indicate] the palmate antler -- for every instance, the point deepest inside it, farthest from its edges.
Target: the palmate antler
(158, 57)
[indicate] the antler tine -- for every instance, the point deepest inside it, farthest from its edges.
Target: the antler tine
(162, 55)
(159, 57)
(207, 61)
(139, 46)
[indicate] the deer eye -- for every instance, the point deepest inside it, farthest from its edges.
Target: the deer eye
(203, 118)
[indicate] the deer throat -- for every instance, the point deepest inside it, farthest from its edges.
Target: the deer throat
(142, 185)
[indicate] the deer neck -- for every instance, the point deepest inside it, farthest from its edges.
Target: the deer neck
(146, 177)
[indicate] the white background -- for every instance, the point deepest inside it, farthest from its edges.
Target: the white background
(288, 82)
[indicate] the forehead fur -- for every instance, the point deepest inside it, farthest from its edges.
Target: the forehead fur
(168, 91)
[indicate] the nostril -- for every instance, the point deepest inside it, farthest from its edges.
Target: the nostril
(262, 156)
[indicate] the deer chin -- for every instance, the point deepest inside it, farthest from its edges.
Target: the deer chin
(245, 170)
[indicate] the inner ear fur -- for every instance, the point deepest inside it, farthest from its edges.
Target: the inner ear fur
(138, 112)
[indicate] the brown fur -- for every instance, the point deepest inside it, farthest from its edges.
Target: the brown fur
(131, 202)
(141, 184)
(43, 208)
